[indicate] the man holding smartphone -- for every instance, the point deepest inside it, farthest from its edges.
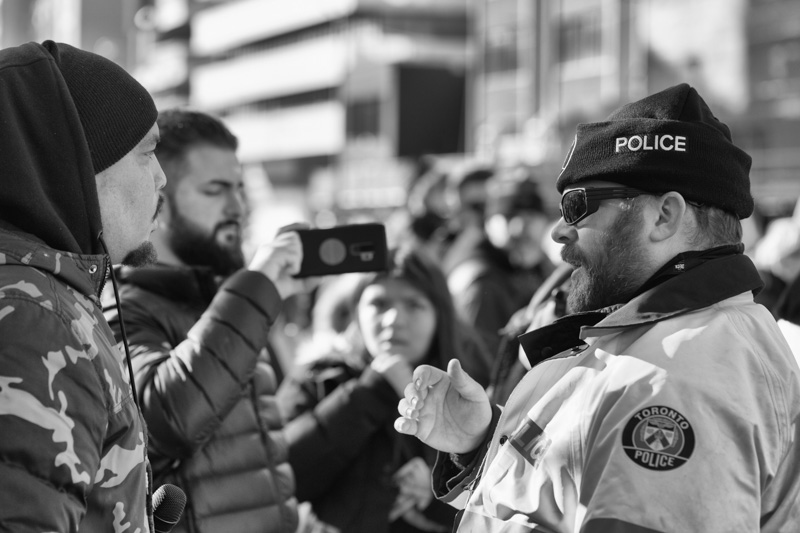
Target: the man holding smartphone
(197, 323)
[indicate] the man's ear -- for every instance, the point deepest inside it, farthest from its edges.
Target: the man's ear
(670, 209)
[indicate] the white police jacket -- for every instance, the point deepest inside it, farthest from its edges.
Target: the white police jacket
(679, 412)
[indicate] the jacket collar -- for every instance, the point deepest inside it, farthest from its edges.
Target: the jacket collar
(85, 273)
(193, 285)
(715, 278)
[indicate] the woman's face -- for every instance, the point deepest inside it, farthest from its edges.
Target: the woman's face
(396, 319)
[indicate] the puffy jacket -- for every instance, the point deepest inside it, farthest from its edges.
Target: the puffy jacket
(72, 442)
(207, 392)
(679, 411)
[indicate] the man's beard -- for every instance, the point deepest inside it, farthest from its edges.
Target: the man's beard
(614, 274)
(142, 255)
(195, 247)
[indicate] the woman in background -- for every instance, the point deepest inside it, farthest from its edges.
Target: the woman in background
(359, 474)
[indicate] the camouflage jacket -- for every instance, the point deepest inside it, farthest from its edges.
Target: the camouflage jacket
(72, 442)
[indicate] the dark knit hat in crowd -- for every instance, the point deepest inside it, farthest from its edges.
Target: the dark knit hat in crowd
(513, 191)
(669, 141)
(115, 110)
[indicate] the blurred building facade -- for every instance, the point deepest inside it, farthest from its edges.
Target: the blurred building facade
(333, 100)
(543, 66)
(330, 99)
(101, 26)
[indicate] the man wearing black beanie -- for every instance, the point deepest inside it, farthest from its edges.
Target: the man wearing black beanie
(79, 190)
(79, 175)
(669, 401)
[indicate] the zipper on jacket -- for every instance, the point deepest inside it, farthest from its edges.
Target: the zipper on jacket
(107, 273)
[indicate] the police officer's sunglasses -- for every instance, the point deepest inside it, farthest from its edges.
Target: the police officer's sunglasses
(577, 204)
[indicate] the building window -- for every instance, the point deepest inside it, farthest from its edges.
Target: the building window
(580, 36)
(363, 118)
(501, 49)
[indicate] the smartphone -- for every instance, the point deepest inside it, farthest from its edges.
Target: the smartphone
(341, 249)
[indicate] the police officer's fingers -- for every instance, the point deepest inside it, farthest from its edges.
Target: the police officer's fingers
(410, 391)
(407, 426)
(413, 395)
(426, 377)
(463, 383)
(406, 409)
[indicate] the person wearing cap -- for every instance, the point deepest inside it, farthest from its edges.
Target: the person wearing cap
(499, 272)
(668, 401)
(79, 191)
(198, 323)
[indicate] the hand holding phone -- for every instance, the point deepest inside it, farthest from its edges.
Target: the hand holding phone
(279, 260)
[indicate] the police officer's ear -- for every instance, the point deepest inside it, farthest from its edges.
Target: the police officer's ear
(667, 213)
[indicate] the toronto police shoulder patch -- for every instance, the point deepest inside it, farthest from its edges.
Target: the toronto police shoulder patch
(658, 438)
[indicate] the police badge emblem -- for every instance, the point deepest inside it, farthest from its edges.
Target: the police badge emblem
(658, 438)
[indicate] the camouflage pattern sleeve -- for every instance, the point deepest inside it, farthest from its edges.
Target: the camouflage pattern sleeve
(53, 414)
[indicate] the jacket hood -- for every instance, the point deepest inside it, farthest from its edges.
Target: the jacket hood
(84, 273)
(47, 187)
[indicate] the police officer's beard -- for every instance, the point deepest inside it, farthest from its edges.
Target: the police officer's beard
(196, 247)
(613, 275)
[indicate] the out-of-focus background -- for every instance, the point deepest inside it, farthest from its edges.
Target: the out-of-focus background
(340, 105)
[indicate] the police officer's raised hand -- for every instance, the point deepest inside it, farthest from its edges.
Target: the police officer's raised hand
(448, 411)
(279, 260)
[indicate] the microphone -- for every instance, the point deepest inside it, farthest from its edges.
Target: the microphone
(168, 503)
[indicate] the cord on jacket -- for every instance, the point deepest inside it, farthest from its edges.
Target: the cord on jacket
(121, 322)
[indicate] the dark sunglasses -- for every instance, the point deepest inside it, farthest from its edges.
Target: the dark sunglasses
(577, 204)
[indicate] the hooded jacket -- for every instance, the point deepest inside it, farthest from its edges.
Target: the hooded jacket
(207, 391)
(679, 411)
(72, 442)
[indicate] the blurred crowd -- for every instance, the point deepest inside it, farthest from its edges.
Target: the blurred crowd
(488, 229)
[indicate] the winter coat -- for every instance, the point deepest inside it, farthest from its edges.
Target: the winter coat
(344, 449)
(207, 392)
(679, 411)
(487, 290)
(548, 303)
(72, 442)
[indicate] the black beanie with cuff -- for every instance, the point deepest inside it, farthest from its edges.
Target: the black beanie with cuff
(669, 141)
(114, 109)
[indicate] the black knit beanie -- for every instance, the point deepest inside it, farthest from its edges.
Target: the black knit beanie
(115, 110)
(669, 141)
